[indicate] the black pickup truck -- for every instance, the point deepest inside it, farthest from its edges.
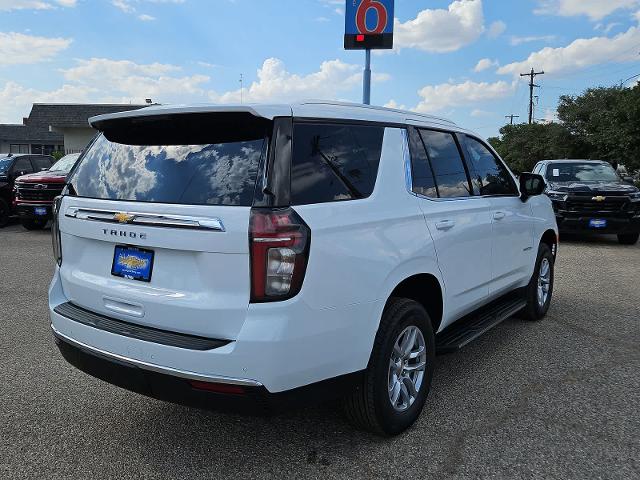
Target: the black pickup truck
(589, 197)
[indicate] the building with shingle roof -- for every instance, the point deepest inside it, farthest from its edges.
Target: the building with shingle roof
(54, 127)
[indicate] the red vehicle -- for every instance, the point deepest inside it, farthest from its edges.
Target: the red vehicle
(34, 193)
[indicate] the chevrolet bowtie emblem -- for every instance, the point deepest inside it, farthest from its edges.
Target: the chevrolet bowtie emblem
(599, 198)
(123, 217)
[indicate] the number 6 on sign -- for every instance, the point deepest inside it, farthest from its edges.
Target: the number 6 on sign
(368, 24)
(382, 17)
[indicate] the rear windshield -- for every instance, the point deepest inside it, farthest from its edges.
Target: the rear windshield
(216, 173)
(66, 163)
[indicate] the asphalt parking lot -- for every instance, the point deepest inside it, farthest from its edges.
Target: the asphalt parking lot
(554, 399)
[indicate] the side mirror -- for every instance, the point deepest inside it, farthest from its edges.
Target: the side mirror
(531, 185)
(628, 179)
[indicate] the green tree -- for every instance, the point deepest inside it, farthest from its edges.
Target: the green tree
(523, 145)
(607, 121)
(57, 155)
(602, 123)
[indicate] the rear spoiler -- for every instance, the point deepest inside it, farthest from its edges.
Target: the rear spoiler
(267, 112)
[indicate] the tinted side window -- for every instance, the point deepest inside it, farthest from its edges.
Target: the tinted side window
(487, 172)
(40, 163)
(22, 165)
(334, 162)
(421, 173)
(446, 161)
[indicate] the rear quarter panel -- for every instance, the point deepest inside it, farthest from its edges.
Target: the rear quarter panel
(362, 249)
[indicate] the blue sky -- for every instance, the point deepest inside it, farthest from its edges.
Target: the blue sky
(458, 59)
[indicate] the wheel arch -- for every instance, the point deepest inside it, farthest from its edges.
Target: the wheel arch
(550, 238)
(426, 289)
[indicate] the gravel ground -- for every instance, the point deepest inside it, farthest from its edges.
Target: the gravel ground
(554, 399)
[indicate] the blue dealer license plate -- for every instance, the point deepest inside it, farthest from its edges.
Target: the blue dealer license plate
(40, 211)
(132, 263)
(597, 223)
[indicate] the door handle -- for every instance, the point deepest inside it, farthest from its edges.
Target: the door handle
(499, 215)
(445, 225)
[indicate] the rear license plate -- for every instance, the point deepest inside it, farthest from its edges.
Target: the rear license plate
(597, 223)
(132, 263)
(40, 211)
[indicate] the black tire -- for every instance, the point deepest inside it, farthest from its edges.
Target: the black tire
(4, 213)
(34, 224)
(534, 311)
(628, 238)
(369, 406)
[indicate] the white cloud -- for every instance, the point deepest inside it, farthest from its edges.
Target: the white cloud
(442, 30)
(128, 6)
(496, 29)
(129, 80)
(18, 48)
(580, 54)
(485, 64)
(476, 113)
(447, 95)
(606, 28)
(123, 5)
(550, 115)
(275, 83)
(594, 9)
(16, 100)
(515, 40)
(396, 105)
(8, 5)
(107, 80)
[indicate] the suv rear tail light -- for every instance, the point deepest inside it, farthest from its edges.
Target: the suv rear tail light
(55, 231)
(279, 241)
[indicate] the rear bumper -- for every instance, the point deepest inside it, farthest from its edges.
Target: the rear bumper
(27, 211)
(247, 396)
(280, 347)
(615, 224)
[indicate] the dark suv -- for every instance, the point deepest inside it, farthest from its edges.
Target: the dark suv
(590, 197)
(13, 166)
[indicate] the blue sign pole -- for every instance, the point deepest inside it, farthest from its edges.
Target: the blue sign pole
(366, 87)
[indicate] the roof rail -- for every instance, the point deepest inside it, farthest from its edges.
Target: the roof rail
(375, 107)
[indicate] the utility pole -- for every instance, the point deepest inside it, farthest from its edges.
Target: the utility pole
(532, 85)
(511, 117)
(241, 88)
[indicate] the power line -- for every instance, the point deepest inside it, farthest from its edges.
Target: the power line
(630, 78)
(532, 85)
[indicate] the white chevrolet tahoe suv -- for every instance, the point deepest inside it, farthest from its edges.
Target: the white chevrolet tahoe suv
(254, 257)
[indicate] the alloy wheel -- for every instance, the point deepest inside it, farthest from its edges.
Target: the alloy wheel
(407, 368)
(544, 282)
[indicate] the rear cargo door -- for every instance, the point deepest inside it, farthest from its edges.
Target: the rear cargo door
(155, 227)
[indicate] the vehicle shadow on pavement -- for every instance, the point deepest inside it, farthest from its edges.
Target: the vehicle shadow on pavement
(314, 439)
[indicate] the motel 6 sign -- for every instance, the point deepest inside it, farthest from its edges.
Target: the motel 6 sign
(369, 24)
